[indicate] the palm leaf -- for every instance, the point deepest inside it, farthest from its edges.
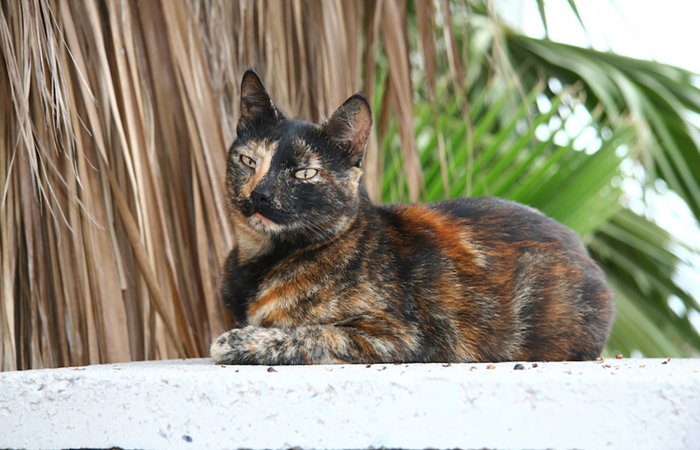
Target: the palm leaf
(634, 252)
(659, 96)
(639, 111)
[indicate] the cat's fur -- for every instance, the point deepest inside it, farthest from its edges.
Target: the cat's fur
(321, 275)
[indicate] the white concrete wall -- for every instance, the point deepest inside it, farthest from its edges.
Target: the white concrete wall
(195, 404)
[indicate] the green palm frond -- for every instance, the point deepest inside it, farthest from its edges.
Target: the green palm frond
(513, 136)
(635, 255)
(661, 98)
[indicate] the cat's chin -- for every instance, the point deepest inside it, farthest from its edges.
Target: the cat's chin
(262, 223)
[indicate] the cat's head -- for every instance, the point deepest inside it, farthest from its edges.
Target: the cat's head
(290, 178)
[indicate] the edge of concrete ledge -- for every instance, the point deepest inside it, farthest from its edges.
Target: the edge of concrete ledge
(188, 404)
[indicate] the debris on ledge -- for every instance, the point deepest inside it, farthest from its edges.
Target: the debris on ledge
(195, 404)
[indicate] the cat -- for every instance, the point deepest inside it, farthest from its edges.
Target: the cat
(319, 274)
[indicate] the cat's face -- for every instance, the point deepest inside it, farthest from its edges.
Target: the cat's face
(289, 178)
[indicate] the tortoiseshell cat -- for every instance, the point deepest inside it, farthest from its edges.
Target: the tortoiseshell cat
(321, 275)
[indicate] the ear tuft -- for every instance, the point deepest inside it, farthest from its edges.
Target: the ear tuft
(256, 104)
(350, 126)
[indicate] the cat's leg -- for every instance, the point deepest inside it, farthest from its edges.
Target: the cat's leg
(310, 344)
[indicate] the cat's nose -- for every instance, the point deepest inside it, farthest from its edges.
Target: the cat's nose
(260, 196)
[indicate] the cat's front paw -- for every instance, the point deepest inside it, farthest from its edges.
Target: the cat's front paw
(232, 348)
(261, 345)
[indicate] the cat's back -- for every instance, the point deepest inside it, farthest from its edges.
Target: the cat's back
(485, 219)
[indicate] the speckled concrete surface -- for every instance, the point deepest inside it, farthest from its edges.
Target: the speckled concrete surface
(193, 404)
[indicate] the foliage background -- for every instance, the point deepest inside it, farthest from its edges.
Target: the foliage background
(118, 115)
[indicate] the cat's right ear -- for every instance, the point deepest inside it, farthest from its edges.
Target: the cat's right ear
(349, 126)
(256, 105)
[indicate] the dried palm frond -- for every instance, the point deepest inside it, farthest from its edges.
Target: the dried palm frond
(117, 119)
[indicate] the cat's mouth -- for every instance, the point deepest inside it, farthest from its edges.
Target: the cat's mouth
(261, 222)
(260, 217)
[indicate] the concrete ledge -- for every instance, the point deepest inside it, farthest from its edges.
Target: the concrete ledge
(193, 404)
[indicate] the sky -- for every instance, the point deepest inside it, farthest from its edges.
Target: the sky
(639, 28)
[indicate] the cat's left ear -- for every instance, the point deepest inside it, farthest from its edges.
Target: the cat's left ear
(256, 105)
(349, 126)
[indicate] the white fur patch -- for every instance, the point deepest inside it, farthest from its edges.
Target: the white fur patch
(250, 241)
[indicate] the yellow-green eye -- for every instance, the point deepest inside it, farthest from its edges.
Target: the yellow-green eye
(305, 174)
(248, 161)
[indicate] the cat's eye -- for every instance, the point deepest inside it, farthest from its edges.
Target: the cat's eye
(248, 161)
(305, 174)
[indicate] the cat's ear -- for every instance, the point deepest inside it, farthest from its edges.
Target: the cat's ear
(256, 105)
(349, 126)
